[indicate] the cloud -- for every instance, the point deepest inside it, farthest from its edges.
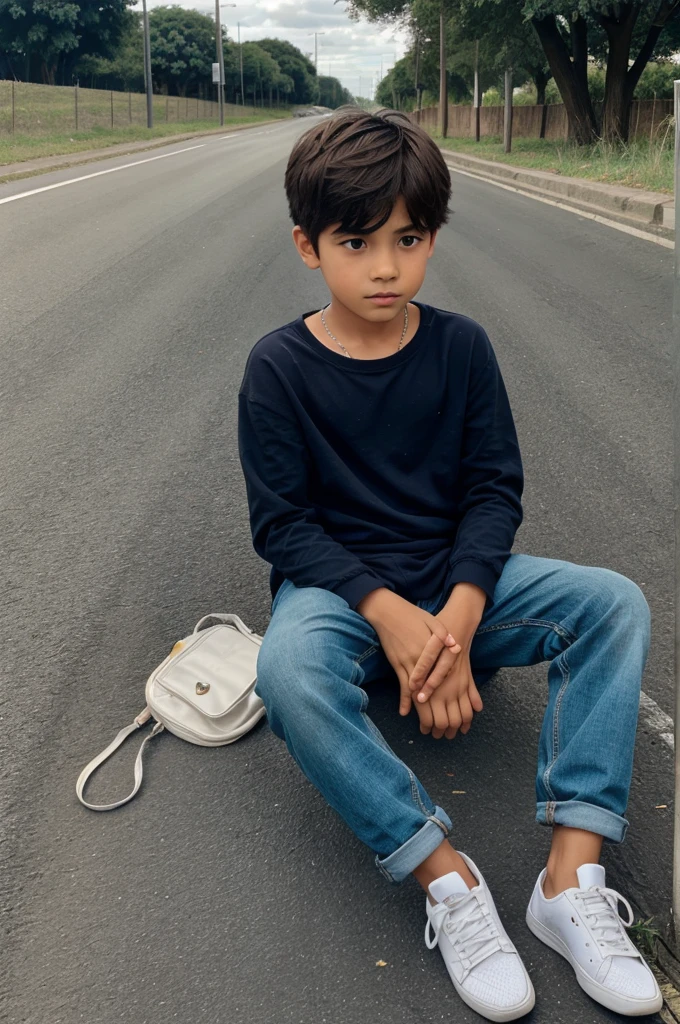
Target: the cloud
(349, 50)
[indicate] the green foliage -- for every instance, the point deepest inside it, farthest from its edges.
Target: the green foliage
(125, 70)
(295, 65)
(657, 80)
(45, 37)
(182, 48)
(332, 93)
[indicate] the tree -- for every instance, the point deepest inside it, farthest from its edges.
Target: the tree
(297, 66)
(182, 49)
(260, 70)
(332, 93)
(54, 32)
(622, 36)
(125, 69)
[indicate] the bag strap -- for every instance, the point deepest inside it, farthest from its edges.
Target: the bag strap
(87, 771)
(228, 618)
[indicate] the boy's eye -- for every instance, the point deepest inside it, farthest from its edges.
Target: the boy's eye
(409, 241)
(354, 244)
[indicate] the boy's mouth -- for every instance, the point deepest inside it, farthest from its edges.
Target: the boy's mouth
(383, 298)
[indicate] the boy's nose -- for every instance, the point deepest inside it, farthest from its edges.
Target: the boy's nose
(384, 271)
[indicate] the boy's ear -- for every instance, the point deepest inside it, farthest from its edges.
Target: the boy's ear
(433, 237)
(305, 248)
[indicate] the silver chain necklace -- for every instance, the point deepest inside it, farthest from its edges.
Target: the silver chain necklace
(323, 321)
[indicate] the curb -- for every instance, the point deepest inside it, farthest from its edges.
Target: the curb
(42, 165)
(649, 212)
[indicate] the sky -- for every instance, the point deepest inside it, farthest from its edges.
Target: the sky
(349, 50)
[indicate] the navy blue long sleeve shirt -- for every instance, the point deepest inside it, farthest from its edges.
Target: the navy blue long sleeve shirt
(401, 472)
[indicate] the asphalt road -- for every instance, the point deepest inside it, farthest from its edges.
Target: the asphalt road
(228, 892)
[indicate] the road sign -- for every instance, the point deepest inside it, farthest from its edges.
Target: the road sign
(216, 74)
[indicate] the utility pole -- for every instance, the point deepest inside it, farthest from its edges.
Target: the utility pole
(443, 90)
(316, 48)
(147, 67)
(417, 42)
(477, 97)
(240, 55)
(676, 502)
(220, 58)
(507, 122)
(220, 53)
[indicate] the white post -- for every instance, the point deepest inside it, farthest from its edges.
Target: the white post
(676, 502)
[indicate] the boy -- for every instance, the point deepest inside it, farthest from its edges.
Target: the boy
(384, 484)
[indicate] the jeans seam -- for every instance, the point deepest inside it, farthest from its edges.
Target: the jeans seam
(543, 623)
(556, 725)
(415, 795)
(362, 657)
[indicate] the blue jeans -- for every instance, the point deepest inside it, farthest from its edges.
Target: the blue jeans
(591, 624)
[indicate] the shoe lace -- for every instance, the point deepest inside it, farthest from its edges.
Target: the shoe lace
(470, 928)
(600, 907)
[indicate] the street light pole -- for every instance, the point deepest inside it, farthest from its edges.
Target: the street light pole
(240, 56)
(220, 58)
(220, 53)
(676, 503)
(147, 67)
(316, 48)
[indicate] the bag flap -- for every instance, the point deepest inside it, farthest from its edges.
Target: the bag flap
(215, 670)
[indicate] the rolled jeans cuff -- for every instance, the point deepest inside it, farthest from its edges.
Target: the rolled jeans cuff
(416, 849)
(589, 817)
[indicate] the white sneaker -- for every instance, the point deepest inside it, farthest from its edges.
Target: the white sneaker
(484, 966)
(584, 926)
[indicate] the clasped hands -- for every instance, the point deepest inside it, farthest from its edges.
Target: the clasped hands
(432, 665)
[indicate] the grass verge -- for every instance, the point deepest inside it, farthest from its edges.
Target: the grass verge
(18, 148)
(638, 164)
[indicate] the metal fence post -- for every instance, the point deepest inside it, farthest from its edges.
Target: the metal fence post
(676, 502)
(167, 109)
(12, 106)
(75, 88)
(112, 108)
(130, 106)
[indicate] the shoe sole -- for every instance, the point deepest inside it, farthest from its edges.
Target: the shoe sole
(593, 988)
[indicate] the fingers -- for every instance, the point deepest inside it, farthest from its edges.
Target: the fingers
(475, 699)
(425, 716)
(431, 651)
(466, 713)
(438, 674)
(405, 695)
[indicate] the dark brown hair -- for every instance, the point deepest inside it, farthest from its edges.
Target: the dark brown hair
(352, 167)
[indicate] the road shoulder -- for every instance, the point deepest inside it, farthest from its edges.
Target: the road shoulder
(44, 164)
(651, 213)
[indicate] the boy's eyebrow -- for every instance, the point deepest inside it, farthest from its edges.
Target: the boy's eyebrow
(399, 231)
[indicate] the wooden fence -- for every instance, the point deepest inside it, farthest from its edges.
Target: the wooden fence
(541, 122)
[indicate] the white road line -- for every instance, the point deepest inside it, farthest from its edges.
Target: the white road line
(657, 719)
(626, 228)
(96, 174)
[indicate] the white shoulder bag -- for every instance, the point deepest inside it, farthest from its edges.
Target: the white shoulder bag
(203, 692)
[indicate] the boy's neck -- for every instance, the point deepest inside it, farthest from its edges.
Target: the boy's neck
(364, 339)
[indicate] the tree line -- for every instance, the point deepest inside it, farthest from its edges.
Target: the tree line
(593, 56)
(100, 44)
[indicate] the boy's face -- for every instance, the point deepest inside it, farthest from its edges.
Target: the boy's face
(357, 268)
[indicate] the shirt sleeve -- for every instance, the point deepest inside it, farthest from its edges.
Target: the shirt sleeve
(491, 478)
(285, 531)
